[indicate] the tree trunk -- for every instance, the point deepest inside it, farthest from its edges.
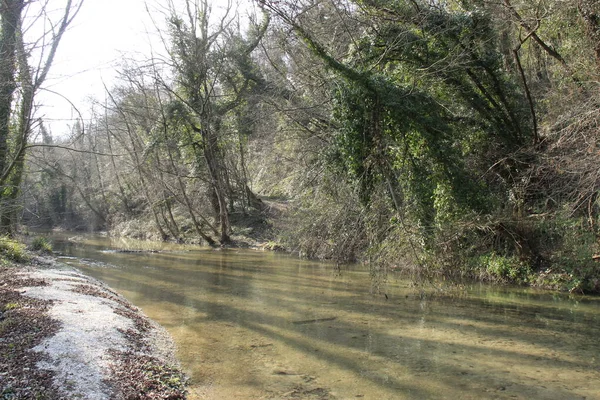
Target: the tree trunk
(533, 33)
(209, 147)
(536, 136)
(10, 18)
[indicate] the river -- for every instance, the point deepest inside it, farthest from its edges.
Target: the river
(261, 325)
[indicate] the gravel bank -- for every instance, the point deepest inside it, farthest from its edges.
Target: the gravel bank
(86, 341)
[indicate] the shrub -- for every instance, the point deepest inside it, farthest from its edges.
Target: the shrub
(12, 250)
(505, 268)
(41, 244)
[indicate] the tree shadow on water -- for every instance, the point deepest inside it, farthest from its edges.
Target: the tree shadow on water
(388, 355)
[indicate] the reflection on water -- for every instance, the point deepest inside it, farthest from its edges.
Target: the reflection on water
(254, 325)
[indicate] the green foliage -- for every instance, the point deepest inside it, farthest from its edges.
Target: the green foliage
(504, 268)
(403, 138)
(431, 119)
(272, 245)
(41, 244)
(12, 250)
(573, 263)
(418, 134)
(329, 223)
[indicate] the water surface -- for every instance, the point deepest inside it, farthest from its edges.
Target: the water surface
(259, 325)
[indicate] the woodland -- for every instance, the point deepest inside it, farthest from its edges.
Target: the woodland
(452, 140)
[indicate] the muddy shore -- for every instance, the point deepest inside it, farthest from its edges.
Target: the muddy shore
(64, 335)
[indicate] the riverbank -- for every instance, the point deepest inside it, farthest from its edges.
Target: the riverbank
(64, 335)
(283, 226)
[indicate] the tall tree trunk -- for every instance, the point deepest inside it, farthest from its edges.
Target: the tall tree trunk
(536, 136)
(134, 154)
(190, 209)
(122, 195)
(13, 175)
(209, 150)
(10, 17)
(13, 54)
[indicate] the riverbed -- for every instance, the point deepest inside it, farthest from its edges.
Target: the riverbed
(261, 325)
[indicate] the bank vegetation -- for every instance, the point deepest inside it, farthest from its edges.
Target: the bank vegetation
(452, 140)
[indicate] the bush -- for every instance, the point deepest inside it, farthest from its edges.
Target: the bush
(573, 263)
(505, 268)
(12, 250)
(327, 224)
(41, 244)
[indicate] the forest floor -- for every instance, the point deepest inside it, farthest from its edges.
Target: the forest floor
(64, 335)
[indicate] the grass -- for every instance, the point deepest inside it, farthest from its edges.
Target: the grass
(11, 306)
(12, 250)
(41, 244)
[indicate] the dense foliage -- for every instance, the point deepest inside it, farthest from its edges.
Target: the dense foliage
(450, 139)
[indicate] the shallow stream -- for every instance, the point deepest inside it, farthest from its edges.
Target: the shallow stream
(261, 325)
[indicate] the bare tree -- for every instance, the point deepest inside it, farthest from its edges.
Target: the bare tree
(16, 74)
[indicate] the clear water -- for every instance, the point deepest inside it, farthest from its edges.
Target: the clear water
(259, 325)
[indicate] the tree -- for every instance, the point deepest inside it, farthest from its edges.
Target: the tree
(17, 108)
(422, 83)
(213, 78)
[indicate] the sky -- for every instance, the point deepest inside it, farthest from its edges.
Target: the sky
(103, 35)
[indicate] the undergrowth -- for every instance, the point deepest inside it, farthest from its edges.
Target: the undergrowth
(13, 250)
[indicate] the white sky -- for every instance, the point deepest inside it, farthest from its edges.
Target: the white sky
(103, 35)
